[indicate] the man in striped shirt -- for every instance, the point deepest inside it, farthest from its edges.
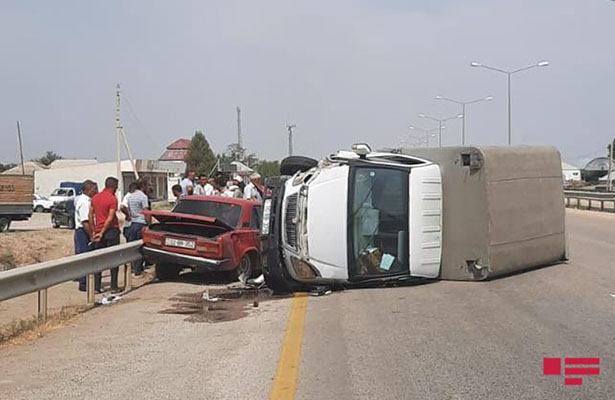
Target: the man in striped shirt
(137, 203)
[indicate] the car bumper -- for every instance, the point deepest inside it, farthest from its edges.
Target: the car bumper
(201, 263)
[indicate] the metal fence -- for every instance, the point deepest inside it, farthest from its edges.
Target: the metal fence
(590, 200)
(40, 277)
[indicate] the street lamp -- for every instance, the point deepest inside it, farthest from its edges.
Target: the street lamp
(509, 74)
(428, 133)
(440, 121)
(463, 112)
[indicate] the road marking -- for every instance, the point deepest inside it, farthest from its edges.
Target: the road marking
(285, 383)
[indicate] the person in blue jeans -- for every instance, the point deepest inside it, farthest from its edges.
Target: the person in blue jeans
(83, 226)
(137, 203)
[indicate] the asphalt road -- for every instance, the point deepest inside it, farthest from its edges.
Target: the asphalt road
(444, 340)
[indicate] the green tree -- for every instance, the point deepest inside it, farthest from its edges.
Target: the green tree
(48, 158)
(235, 153)
(6, 167)
(268, 168)
(200, 157)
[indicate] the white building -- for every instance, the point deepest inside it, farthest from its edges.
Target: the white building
(46, 181)
(570, 172)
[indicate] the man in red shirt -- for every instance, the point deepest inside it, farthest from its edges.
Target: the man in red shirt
(106, 226)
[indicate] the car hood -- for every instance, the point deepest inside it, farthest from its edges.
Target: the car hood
(326, 222)
(170, 216)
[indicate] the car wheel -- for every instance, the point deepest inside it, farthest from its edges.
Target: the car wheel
(55, 223)
(292, 164)
(39, 209)
(244, 269)
(5, 223)
(71, 223)
(165, 272)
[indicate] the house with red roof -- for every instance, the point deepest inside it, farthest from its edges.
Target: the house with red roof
(176, 151)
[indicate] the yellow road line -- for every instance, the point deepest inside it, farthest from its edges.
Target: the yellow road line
(285, 383)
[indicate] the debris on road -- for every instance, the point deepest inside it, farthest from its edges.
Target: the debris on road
(218, 305)
(321, 291)
(108, 300)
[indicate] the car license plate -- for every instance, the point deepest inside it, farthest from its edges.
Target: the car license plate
(184, 244)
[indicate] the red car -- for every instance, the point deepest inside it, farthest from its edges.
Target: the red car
(205, 233)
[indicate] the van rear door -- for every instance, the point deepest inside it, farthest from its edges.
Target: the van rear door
(425, 221)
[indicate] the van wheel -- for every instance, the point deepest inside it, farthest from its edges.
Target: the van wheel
(55, 223)
(39, 209)
(71, 223)
(5, 223)
(165, 272)
(292, 164)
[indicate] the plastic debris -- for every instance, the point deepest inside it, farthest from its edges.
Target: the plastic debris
(206, 297)
(321, 291)
(108, 300)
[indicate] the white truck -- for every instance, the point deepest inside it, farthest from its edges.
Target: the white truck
(459, 213)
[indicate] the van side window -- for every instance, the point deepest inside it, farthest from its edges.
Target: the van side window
(255, 221)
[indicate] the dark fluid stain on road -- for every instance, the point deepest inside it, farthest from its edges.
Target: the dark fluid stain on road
(232, 304)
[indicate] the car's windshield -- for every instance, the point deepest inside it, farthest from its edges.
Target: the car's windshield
(60, 192)
(225, 212)
(378, 221)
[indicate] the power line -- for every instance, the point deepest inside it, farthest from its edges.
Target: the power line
(153, 141)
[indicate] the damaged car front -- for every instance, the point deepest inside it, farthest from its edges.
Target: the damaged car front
(345, 220)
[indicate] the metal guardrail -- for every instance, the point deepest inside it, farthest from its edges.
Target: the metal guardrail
(590, 198)
(589, 194)
(40, 277)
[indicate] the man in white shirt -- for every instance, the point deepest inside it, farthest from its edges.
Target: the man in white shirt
(83, 226)
(204, 188)
(251, 191)
(187, 183)
(124, 208)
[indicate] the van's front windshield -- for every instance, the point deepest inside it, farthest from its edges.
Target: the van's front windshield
(378, 221)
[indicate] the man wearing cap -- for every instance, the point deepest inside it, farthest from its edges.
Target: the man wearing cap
(251, 191)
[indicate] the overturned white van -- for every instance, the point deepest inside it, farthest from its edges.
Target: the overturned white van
(460, 213)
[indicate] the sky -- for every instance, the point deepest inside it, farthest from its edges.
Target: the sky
(342, 71)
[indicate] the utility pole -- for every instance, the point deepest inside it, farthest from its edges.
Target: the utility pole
(239, 138)
(118, 141)
(609, 184)
(23, 169)
(291, 128)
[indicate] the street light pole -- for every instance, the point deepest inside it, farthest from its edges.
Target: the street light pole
(463, 112)
(509, 74)
(440, 121)
(509, 113)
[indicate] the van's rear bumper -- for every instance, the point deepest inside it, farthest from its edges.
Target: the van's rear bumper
(201, 263)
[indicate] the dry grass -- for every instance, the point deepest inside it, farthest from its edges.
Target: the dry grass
(7, 261)
(25, 330)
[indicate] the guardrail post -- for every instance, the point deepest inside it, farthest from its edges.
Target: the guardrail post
(90, 289)
(42, 305)
(127, 277)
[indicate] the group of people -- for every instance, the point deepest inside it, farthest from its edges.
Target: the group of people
(97, 225)
(236, 187)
